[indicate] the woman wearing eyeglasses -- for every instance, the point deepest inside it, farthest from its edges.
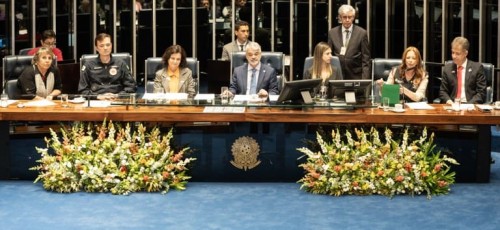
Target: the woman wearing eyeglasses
(40, 80)
(48, 41)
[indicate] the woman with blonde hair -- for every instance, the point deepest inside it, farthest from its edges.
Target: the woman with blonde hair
(321, 67)
(41, 80)
(411, 75)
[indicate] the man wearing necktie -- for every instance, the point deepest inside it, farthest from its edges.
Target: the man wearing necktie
(242, 31)
(350, 43)
(462, 79)
(254, 77)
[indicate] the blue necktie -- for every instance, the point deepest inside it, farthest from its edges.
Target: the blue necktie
(253, 84)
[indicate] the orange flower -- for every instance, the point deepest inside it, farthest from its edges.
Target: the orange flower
(380, 173)
(165, 175)
(408, 167)
(442, 183)
(399, 178)
(437, 167)
(314, 175)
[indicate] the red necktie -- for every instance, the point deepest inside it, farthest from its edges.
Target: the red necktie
(459, 81)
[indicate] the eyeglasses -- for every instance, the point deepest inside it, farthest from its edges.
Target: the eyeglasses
(50, 43)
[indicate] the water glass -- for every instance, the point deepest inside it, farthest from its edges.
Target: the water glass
(64, 100)
(456, 104)
(4, 100)
(132, 99)
(323, 92)
(385, 103)
(224, 95)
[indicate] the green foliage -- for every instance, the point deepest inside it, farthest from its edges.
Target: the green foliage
(112, 159)
(365, 164)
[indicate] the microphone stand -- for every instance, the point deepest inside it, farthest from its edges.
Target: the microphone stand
(398, 81)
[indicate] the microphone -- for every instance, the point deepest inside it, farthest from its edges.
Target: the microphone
(400, 82)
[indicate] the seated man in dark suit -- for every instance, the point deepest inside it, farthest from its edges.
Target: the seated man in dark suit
(254, 77)
(463, 79)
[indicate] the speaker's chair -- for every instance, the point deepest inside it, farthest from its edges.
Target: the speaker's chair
(12, 90)
(489, 74)
(13, 66)
(381, 68)
(24, 51)
(126, 57)
(153, 64)
(335, 62)
(273, 59)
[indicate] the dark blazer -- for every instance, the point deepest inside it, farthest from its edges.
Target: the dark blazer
(475, 83)
(267, 80)
(356, 61)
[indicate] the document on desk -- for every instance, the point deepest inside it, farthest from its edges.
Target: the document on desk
(223, 109)
(204, 96)
(39, 103)
(419, 105)
(168, 96)
(273, 97)
(97, 104)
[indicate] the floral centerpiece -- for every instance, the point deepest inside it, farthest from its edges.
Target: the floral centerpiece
(112, 159)
(364, 164)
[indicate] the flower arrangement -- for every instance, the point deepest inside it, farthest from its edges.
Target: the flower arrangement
(111, 159)
(367, 165)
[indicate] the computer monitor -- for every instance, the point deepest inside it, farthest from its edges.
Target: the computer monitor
(298, 92)
(351, 91)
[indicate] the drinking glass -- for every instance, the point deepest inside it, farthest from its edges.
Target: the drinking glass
(132, 99)
(323, 92)
(456, 104)
(4, 100)
(385, 103)
(224, 96)
(64, 100)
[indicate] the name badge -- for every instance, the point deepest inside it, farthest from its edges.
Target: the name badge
(342, 50)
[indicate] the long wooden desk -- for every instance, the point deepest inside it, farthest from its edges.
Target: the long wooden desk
(262, 115)
(252, 114)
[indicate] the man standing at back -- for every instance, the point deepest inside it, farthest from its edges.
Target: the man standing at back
(104, 75)
(350, 43)
(241, 30)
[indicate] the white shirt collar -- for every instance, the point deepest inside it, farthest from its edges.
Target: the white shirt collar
(350, 29)
(256, 67)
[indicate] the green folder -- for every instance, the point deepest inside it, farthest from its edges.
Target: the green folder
(392, 92)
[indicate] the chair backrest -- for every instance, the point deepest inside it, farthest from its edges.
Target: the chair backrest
(153, 64)
(12, 90)
(489, 74)
(14, 65)
(126, 57)
(334, 62)
(24, 51)
(381, 67)
(273, 59)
